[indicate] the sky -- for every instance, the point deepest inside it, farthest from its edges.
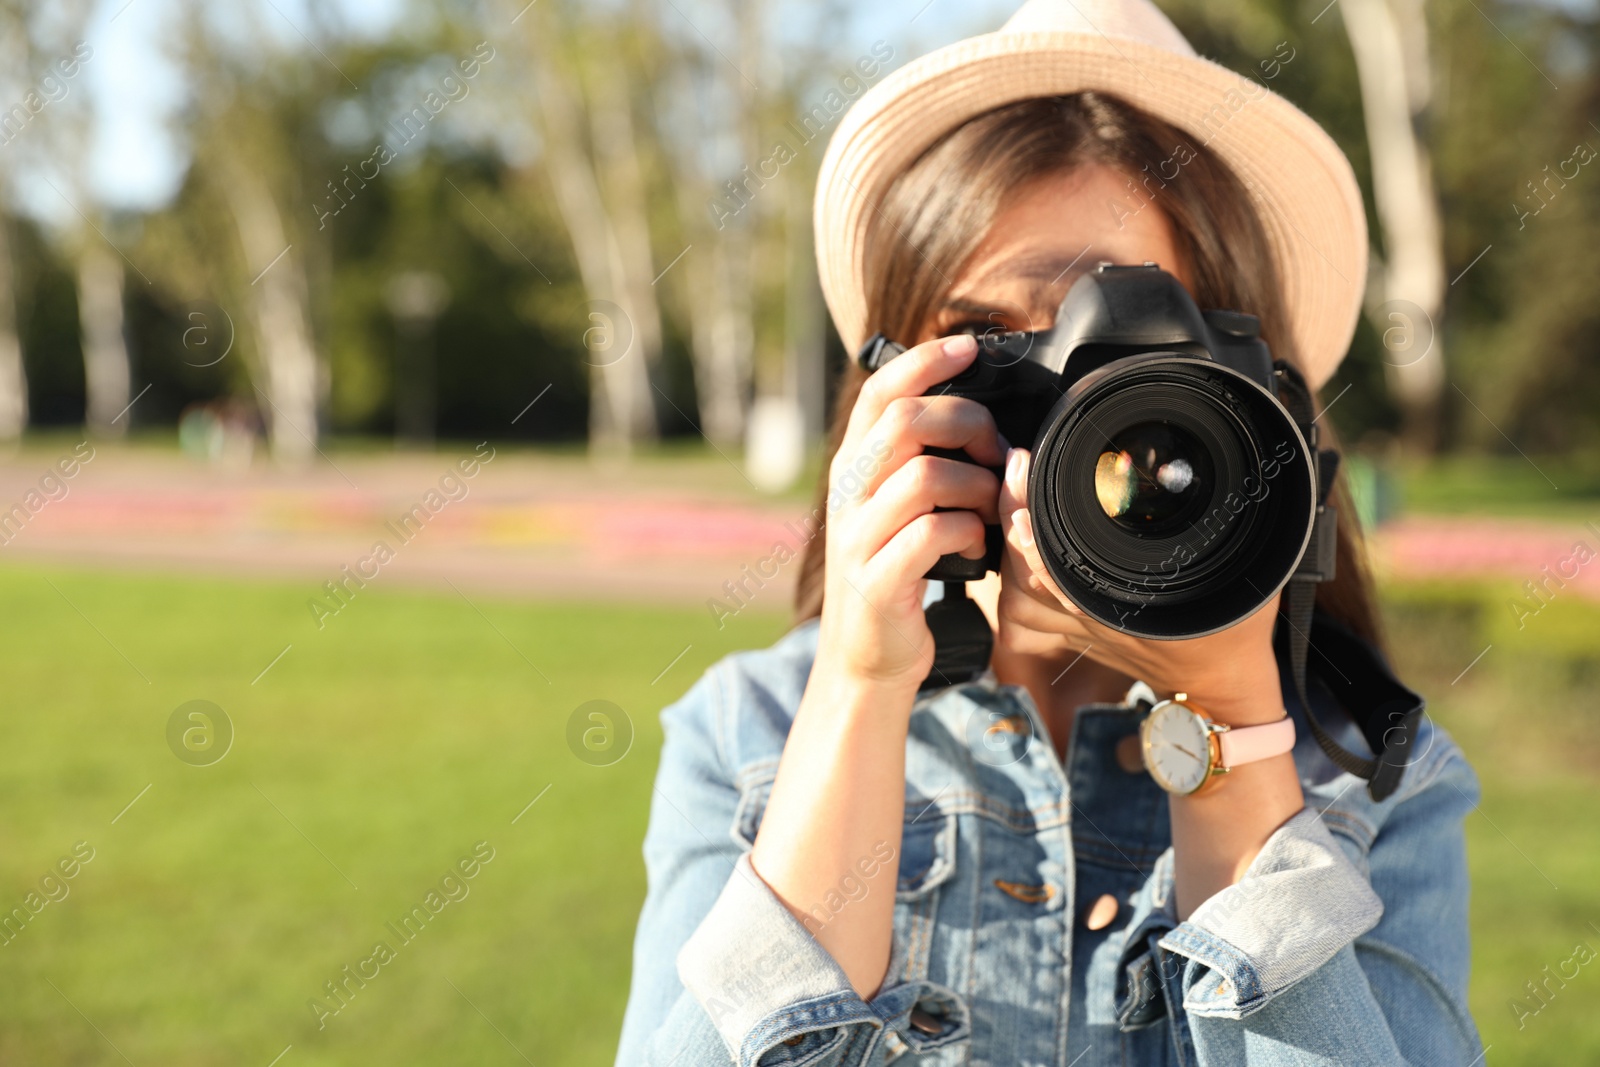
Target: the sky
(135, 163)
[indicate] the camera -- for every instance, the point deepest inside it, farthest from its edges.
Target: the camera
(1172, 492)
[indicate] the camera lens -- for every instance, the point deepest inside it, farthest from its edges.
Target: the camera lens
(1152, 477)
(1171, 496)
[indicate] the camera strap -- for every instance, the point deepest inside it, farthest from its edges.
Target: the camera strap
(1348, 668)
(962, 639)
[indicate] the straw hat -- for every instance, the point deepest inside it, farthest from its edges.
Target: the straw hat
(1301, 184)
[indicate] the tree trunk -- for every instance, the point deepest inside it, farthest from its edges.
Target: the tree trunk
(725, 218)
(1406, 295)
(621, 409)
(106, 374)
(732, 339)
(283, 335)
(718, 309)
(13, 376)
(617, 156)
(786, 415)
(717, 305)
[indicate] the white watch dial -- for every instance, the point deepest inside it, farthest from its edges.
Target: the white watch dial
(1177, 748)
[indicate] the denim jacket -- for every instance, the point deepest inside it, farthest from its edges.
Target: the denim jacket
(1345, 942)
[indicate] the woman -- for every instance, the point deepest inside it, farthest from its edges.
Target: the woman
(845, 870)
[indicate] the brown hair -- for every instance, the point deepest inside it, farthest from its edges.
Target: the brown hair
(940, 209)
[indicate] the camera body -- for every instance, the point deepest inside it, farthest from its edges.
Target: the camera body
(1172, 493)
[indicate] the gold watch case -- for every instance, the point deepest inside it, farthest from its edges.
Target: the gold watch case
(1213, 737)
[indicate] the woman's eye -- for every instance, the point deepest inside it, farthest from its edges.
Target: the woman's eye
(978, 327)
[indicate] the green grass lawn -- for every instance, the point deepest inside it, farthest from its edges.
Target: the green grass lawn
(1525, 714)
(379, 750)
(376, 753)
(1564, 489)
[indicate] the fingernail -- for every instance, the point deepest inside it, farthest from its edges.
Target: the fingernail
(960, 346)
(1013, 471)
(1024, 523)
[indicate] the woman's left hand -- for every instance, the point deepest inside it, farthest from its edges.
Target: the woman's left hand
(1233, 674)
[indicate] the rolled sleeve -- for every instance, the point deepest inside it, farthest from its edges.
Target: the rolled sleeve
(1300, 901)
(775, 995)
(1344, 942)
(1298, 904)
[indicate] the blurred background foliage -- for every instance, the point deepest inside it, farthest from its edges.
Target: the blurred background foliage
(656, 119)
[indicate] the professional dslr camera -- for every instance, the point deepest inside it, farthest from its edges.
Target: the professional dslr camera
(1172, 491)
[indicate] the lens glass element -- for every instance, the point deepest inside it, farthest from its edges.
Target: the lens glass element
(1152, 476)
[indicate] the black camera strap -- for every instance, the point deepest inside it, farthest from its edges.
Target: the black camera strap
(962, 639)
(1350, 670)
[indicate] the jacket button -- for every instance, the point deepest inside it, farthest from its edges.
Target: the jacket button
(1130, 754)
(1102, 912)
(925, 1023)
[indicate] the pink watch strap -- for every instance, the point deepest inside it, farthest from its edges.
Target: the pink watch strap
(1247, 744)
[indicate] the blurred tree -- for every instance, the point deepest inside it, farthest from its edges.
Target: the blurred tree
(106, 374)
(47, 326)
(415, 299)
(585, 117)
(708, 104)
(1389, 39)
(247, 150)
(371, 192)
(13, 380)
(64, 145)
(288, 374)
(1514, 115)
(733, 124)
(16, 71)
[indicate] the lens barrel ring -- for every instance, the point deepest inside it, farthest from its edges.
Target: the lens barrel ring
(1224, 555)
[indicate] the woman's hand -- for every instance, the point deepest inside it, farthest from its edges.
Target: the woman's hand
(1233, 674)
(839, 799)
(882, 531)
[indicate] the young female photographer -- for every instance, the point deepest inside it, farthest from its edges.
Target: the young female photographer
(844, 870)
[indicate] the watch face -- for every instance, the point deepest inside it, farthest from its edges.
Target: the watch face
(1177, 748)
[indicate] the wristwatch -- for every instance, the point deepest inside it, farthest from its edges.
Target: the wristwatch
(1185, 751)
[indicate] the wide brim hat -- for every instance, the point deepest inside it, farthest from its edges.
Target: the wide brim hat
(1299, 181)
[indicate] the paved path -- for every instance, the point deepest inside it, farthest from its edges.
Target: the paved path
(535, 525)
(522, 524)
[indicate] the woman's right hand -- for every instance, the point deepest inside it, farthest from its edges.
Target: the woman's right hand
(839, 798)
(883, 534)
